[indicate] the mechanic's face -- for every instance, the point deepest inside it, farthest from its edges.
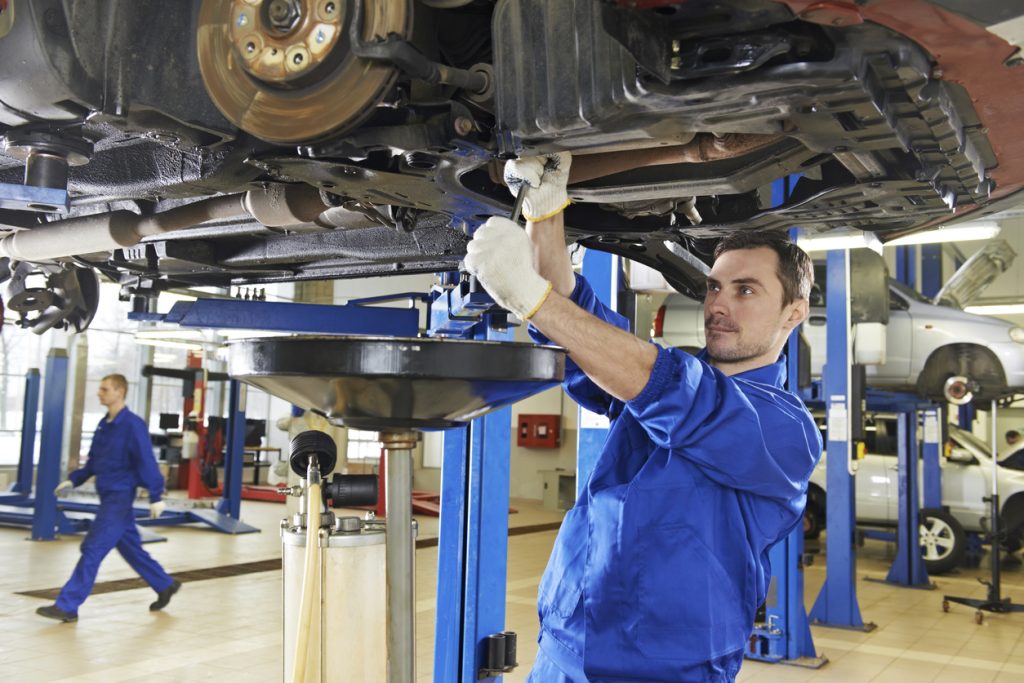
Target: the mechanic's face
(109, 394)
(744, 320)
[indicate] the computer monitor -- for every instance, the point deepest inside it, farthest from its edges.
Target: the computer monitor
(169, 421)
(255, 430)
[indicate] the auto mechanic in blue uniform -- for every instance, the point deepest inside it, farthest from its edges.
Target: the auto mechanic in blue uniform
(121, 459)
(659, 568)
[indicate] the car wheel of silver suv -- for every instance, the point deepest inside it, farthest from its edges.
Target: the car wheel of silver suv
(943, 541)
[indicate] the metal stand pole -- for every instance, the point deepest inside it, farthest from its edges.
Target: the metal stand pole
(400, 558)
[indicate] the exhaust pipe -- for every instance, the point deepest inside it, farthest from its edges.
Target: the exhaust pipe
(274, 206)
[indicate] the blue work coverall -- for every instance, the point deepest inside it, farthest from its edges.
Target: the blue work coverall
(659, 568)
(121, 459)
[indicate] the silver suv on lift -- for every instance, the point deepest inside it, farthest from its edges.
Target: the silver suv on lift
(966, 481)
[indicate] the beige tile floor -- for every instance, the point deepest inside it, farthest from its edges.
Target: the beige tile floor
(229, 629)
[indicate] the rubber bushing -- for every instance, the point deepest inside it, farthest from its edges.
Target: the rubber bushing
(312, 443)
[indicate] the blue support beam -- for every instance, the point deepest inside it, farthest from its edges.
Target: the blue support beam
(451, 555)
(352, 318)
(473, 539)
(906, 266)
(30, 409)
(908, 567)
(965, 416)
(931, 455)
(836, 604)
(231, 501)
(786, 635)
(47, 520)
(601, 270)
(931, 269)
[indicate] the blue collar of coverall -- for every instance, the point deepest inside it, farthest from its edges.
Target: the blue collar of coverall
(773, 374)
(119, 418)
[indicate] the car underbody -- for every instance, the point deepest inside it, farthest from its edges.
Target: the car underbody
(219, 143)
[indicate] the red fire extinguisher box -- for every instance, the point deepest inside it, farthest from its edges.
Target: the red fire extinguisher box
(539, 431)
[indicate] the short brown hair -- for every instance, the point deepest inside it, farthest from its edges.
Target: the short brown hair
(118, 381)
(796, 272)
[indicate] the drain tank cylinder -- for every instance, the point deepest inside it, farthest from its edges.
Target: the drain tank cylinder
(353, 615)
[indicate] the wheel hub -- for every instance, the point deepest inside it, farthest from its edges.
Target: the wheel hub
(283, 70)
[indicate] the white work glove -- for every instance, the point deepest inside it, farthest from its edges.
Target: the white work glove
(547, 177)
(65, 485)
(501, 256)
(156, 509)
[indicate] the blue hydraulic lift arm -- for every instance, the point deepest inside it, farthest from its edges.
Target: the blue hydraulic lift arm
(276, 316)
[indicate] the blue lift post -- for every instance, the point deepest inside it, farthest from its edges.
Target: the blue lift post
(601, 270)
(931, 454)
(474, 500)
(786, 636)
(231, 502)
(908, 568)
(47, 519)
(30, 407)
(836, 604)
(473, 539)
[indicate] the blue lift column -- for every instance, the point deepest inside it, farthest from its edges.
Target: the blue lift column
(786, 636)
(931, 454)
(473, 541)
(836, 604)
(231, 501)
(30, 408)
(601, 270)
(46, 518)
(908, 568)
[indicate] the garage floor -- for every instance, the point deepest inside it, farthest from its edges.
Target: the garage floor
(229, 629)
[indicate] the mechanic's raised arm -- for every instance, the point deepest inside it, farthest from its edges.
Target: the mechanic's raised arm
(501, 256)
(529, 273)
(614, 359)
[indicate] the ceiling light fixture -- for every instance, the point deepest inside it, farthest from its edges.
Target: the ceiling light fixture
(965, 232)
(996, 309)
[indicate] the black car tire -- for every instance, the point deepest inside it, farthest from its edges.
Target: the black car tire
(943, 541)
(814, 520)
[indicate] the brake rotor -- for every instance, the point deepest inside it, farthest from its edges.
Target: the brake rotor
(283, 70)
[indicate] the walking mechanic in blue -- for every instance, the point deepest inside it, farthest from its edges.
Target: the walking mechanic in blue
(658, 570)
(121, 459)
